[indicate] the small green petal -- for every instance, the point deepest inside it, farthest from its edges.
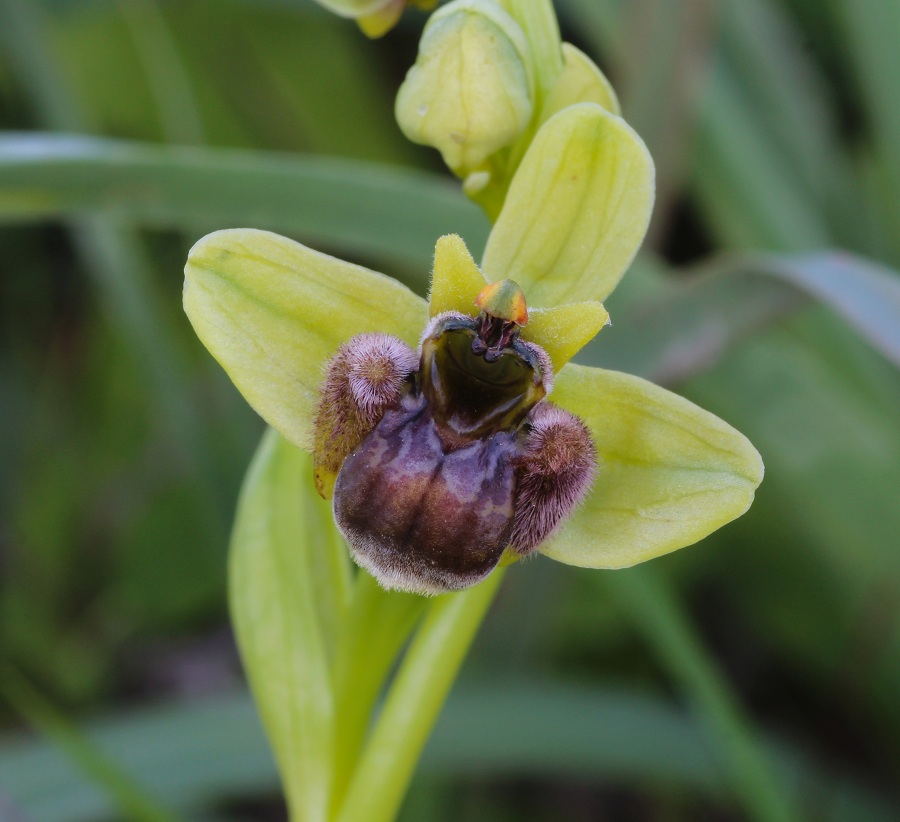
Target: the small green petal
(669, 473)
(564, 330)
(272, 312)
(577, 209)
(456, 280)
(581, 81)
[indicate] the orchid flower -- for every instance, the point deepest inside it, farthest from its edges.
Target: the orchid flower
(274, 313)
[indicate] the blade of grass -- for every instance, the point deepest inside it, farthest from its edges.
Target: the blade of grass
(784, 85)
(747, 191)
(129, 797)
(766, 51)
(114, 257)
(670, 45)
(870, 37)
(687, 326)
(332, 201)
(166, 74)
(660, 618)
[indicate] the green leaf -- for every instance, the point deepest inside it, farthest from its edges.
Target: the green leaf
(194, 752)
(864, 293)
(688, 325)
(272, 312)
(684, 325)
(869, 33)
(657, 612)
(327, 200)
(576, 211)
(669, 473)
(374, 630)
(283, 592)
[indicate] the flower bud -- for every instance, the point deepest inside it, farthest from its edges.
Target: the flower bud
(469, 93)
(375, 17)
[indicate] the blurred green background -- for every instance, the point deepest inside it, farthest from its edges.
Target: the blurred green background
(753, 676)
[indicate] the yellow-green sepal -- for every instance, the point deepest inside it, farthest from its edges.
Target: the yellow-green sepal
(564, 330)
(273, 311)
(380, 22)
(577, 209)
(669, 473)
(374, 17)
(456, 280)
(580, 81)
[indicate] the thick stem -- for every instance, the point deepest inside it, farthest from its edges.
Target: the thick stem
(414, 702)
(378, 624)
(538, 20)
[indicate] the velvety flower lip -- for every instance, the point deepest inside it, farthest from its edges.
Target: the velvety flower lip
(273, 312)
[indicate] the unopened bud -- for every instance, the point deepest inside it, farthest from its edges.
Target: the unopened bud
(469, 93)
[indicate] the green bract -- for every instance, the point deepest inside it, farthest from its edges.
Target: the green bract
(272, 312)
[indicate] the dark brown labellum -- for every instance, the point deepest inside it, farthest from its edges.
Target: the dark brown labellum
(461, 462)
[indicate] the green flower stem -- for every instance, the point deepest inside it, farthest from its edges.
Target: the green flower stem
(414, 701)
(538, 20)
(376, 626)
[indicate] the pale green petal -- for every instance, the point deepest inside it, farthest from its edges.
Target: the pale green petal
(469, 93)
(669, 473)
(577, 209)
(272, 312)
(581, 81)
(564, 330)
(456, 280)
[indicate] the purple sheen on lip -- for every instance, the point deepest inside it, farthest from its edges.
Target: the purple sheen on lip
(419, 517)
(443, 461)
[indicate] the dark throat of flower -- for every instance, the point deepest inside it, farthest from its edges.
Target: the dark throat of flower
(493, 335)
